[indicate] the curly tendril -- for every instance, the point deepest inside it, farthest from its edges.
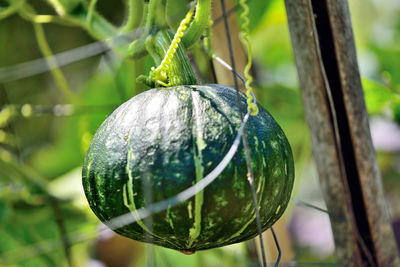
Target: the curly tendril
(161, 71)
(246, 39)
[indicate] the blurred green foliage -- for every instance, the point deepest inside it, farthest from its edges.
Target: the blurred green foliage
(41, 152)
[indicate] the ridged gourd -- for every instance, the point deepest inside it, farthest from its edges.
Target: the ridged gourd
(168, 139)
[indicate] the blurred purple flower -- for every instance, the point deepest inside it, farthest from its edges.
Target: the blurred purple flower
(312, 229)
(385, 134)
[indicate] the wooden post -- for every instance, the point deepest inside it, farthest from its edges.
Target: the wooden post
(326, 62)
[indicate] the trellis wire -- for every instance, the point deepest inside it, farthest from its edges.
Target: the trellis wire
(308, 205)
(58, 110)
(226, 65)
(244, 137)
(40, 65)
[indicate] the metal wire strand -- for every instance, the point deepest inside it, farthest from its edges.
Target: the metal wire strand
(245, 144)
(308, 205)
(277, 247)
(37, 66)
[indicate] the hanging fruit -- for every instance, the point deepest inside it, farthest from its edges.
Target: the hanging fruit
(167, 139)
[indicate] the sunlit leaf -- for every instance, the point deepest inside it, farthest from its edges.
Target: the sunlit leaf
(376, 96)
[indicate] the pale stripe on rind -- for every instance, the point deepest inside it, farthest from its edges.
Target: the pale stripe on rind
(194, 232)
(128, 193)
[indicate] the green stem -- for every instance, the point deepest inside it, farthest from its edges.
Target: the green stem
(92, 7)
(99, 28)
(62, 230)
(57, 74)
(23, 174)
(199, 24)
(88, 19)
(11, 9)
(25, 11)
(156, 15)
(59, 7)
(137, 49)
(155, 20)
(135, 14)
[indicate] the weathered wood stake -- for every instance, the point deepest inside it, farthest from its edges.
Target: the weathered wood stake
(325, 55)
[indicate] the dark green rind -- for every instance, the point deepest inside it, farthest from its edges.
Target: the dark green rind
(160, 128)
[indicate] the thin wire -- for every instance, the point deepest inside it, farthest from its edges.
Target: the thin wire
(58, 110)
(28, 110)
(333, 215)
(297, 202)
(250, 175)
(277, 246)
(37, 66)
(305, 264)
(109, 62)
(226, 65)
(228, 13)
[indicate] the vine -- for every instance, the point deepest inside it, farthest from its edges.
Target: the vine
(57, 74)
(199, 24)
(135, 13)
(92, 6)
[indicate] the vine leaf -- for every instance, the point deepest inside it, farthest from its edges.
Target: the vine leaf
(381, 100)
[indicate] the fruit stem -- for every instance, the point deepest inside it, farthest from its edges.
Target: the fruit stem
(179, 71)
(135, 14)
(156, 16)
(199, 24)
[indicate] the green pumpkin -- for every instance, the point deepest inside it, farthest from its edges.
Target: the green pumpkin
(166, 140)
